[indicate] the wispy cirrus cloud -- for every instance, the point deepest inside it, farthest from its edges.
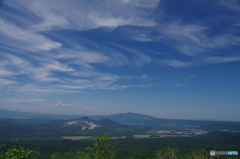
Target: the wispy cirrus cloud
(140, 58)
(7, 72)
(40, 56)
(38, 88)
(14, 36)
(193, 39)
(180, 84)
(4, 82)
(84, 15)
(44, 102)
(116, 86)
(69, 105)
(46, 72)
(217, 59)
(34, 54)
(22, 100)
(175, 63)
(190, 77)
(233, 5)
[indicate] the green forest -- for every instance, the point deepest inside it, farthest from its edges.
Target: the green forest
(57, 139)
(105, 148)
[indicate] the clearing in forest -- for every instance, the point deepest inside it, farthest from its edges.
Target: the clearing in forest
(77, 137)
(87, 137)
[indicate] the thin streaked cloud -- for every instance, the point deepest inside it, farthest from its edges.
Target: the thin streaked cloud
(121, 51)
(215, 59)
(175, 63)
(46, 103)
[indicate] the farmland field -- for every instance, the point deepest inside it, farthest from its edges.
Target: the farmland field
(141, 136)
(77, 137)
(87, 137)
(198, 132)
(149, 134)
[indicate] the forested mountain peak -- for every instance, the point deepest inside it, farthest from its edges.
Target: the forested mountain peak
(83, 123)
(111, 124)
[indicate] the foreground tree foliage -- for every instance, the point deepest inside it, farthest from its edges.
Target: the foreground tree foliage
(167, 153)
(104, 149)
(173, 153)
(18, 152)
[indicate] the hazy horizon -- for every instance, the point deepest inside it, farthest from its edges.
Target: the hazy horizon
(84, 115)
(164, 58)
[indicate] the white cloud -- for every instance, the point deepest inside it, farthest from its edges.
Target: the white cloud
(34, 88)
(41, 74)
(116, 86)
(6, 72)
(233, 4)
(84, 15)
(82, 56)
(193, 39)
(14, 60)
(140, 58)
(22, 100)
(67, 85)
(23, 36)
(17, 37)
(180, 84)
(222, 59)
(98, 81)
(8, 63)
(135, 77)
(55, 65)
(43, 102)
(6, 82)
(43, 71)
(69, 105)
(175, 63)
(190, 77)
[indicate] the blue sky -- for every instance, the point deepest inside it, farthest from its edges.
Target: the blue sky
(168, 59)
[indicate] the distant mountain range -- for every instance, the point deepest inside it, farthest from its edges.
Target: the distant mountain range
(123, 118)
(111, 124)
(128, 118)
(22, 122)
(7, 127)
(140, 119)
(84, 123)
(71, 126)
(80, 124)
